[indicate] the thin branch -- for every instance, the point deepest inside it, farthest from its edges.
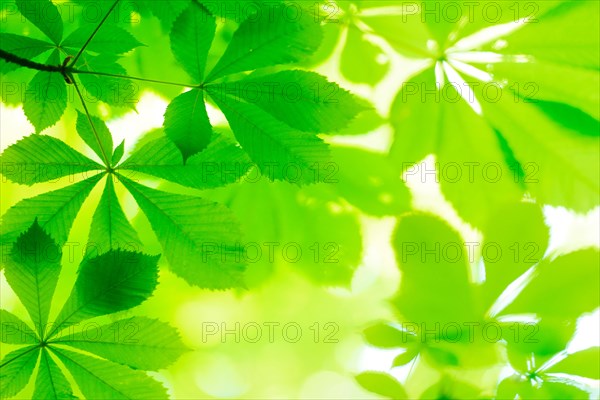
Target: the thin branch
(95, 31)
(134, 78)
(87, 113)
(14, 59)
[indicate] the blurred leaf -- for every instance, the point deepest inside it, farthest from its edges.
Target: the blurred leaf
(376, 190)
(385, 336)
(370, 69)
(584, 363)
(381, 384)
(575, 276)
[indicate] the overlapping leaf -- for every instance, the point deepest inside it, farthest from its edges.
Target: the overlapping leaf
(273, 127)
(115, 281)
(440, 289)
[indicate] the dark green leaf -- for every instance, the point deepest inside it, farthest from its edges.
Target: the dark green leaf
(114, 281)
(187, 124)
(32, 272)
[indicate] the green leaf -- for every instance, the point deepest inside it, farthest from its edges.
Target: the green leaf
(187, 124)
(114, 281)
(573, 276)
(15, 370)
(544, 339)
(46, 99)
(14, 330)
(118, 154)
(471, 170)
(32, 272)
(556, 157)
(95, 134)
(166, 10)
(55, 212)
(369, 70)
(382, 384)
(303, 100)
(44, 15)
(272, 145)
(583, 363)
(516, 238)
(114, 40)
(139, 342)
(511, 386)
(51, 383)
(268, 39)
(22, 46)
(200, 238)
(387, 337)
(191, 38)
(110, 229)
(119, 92)
(310, 219)
(407, 356)
(220, 164)
(376, 190)
(40, 158)
(99, 379)
(435, 286)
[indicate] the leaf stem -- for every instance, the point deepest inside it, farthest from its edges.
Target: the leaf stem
(134, 78)
(95, 32)
(87, 113)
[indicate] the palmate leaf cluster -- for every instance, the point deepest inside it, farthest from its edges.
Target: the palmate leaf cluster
(522, 108)
(437, 302)
(276, 135)
(506, 97)
(104, 361)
